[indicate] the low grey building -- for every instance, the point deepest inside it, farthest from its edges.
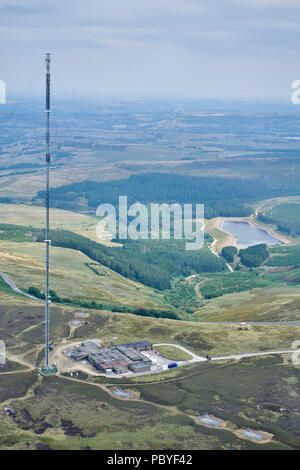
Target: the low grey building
(139, 367)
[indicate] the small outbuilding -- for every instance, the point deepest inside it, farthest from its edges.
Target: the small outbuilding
(139, 367)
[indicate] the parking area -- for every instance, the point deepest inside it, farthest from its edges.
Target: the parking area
(157, 360)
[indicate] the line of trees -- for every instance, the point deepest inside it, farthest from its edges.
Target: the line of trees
(144, 312)
(149, 262)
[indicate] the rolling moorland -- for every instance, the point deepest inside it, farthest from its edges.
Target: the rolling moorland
(84, 414)
(240, 163)
(189, 291)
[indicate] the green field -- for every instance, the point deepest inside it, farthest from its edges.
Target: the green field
(284, 256)
(175, 354)
(34, 216)
(232, 282)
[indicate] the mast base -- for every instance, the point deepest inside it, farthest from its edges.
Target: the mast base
(50, 370)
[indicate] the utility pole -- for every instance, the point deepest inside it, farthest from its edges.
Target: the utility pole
(47, 238)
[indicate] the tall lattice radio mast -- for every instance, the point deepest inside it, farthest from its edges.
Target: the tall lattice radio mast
(47, 203)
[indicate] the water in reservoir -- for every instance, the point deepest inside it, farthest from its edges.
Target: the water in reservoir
(210, 420)
(256, 436)
(247, 234)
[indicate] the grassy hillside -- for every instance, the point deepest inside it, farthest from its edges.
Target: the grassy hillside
(72, 274)
(24, 321)
(285, 216)
(34, 216)
(274, 295)
(284, 256)
(233, 282)
(270, 304)
(152, 263)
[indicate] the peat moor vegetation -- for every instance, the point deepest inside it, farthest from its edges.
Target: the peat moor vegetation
(239, 163)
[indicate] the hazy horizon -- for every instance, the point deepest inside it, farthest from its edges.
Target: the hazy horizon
(168, 49)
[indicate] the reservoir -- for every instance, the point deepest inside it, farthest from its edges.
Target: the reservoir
(247, 234)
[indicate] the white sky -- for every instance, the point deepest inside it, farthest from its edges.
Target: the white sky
(236, 49)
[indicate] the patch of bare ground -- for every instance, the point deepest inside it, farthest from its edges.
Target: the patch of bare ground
(266, 436)
(222, 425)
(134, 395)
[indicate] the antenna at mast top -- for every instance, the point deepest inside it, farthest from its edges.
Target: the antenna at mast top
(48, 61)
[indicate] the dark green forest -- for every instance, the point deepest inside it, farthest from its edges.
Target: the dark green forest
(285, 216)
(226, 197)
(150, 262)
(228, 253)
(254, 256)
